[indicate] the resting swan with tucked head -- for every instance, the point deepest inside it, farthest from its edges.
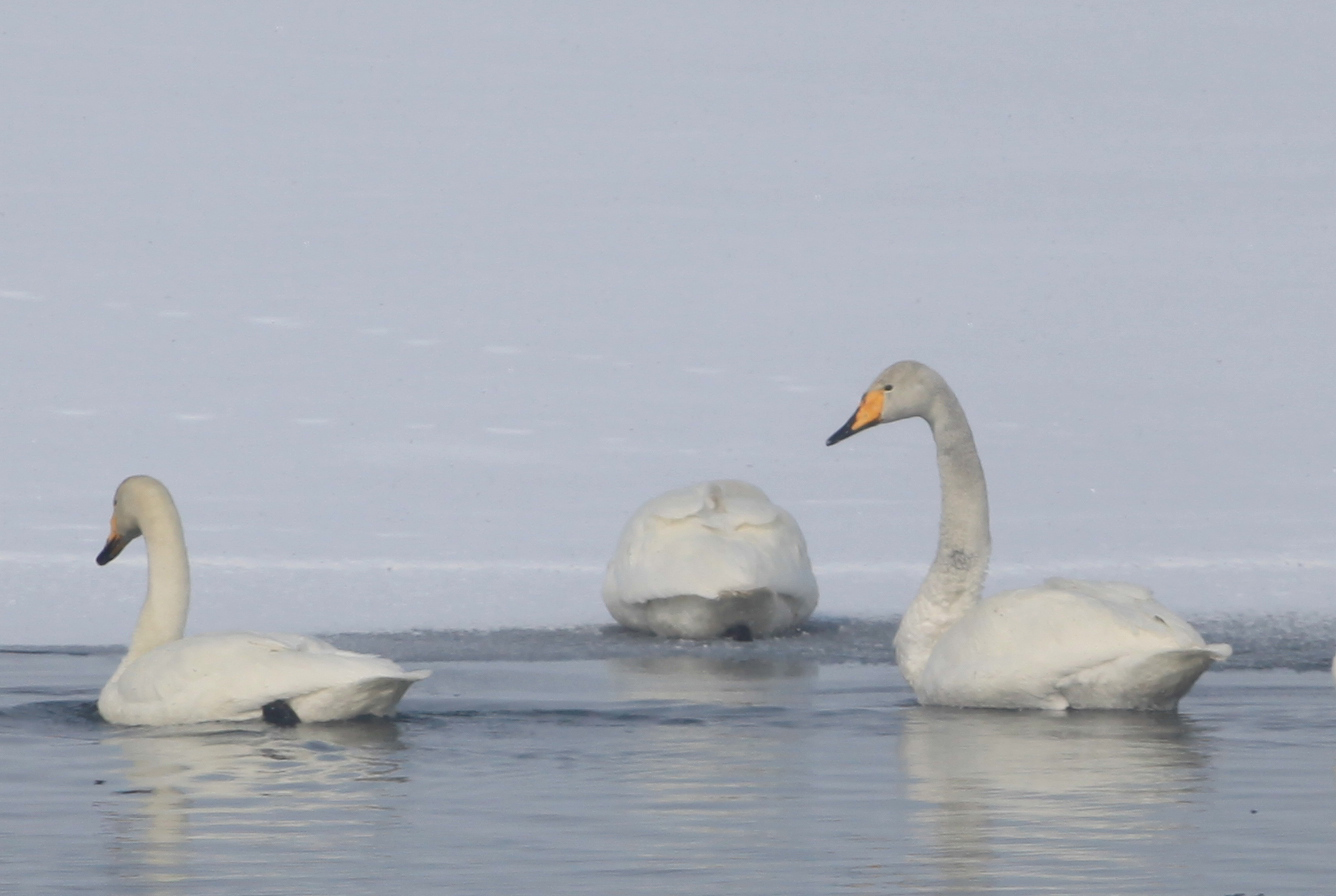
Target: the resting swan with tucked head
(1065, 644)
(712, 560)
(166, 679)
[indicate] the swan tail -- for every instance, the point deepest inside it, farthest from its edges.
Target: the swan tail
(377, 696)
(1147, 681)
(280, 713)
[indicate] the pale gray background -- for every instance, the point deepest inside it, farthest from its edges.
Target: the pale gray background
(412, 304)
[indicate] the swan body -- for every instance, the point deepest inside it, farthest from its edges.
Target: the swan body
(166, 679)
(1066, 644)
(715, 559)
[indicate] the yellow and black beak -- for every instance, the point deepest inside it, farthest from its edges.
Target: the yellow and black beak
(868, 414)
(116, 543)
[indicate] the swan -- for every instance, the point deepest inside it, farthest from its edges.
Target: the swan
(166, 679)
(715, 559)
(1065, 644)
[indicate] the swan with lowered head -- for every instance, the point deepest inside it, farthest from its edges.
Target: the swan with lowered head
(1065, 644)
(166, 679)
(712, 560)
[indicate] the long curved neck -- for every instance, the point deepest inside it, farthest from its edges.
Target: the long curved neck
(955, 580)
(163, 617)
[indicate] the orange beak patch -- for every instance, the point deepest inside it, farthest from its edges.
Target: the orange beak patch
(868, 414)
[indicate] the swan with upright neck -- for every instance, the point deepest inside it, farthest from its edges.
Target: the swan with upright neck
(712, 560)
(1063, 645)
(167, 679)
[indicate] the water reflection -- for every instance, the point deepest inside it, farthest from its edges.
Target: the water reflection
(715, 782)
(1044, 799)
(248, 800)
(727, 681)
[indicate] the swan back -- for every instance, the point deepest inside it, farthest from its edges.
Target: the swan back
(723, 505)
(710, 539)
(1135, 608)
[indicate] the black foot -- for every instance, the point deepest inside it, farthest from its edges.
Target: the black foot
(739, 632)
(280, 713)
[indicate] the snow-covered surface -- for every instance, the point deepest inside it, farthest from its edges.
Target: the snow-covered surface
(411, 306)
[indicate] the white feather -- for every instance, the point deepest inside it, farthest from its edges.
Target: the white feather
(695, 561)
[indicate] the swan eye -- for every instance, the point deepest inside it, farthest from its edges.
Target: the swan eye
(887, 388)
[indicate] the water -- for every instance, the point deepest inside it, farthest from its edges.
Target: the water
(594, 761)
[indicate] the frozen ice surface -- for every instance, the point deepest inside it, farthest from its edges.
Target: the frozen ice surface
(465, 285)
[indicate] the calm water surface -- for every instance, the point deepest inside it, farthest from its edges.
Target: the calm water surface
(768, 768)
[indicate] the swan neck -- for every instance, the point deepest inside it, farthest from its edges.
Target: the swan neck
(955, 580)
(163, 617)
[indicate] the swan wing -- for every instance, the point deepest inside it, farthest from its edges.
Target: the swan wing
(1138, 608)
(1027, 648)
(231, 676)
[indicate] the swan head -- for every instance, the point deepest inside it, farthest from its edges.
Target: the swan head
(905, 389)
(135, 499)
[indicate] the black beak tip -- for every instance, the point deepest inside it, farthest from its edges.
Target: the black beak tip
(109, 553)
(843, 432)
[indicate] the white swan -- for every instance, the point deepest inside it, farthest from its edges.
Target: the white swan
(711, 560)
(1065, 644)
(166, 679)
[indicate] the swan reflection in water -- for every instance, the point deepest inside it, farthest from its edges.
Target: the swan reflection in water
(716, 778)
(1044, 799)
(229, 800)
(722, 681)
